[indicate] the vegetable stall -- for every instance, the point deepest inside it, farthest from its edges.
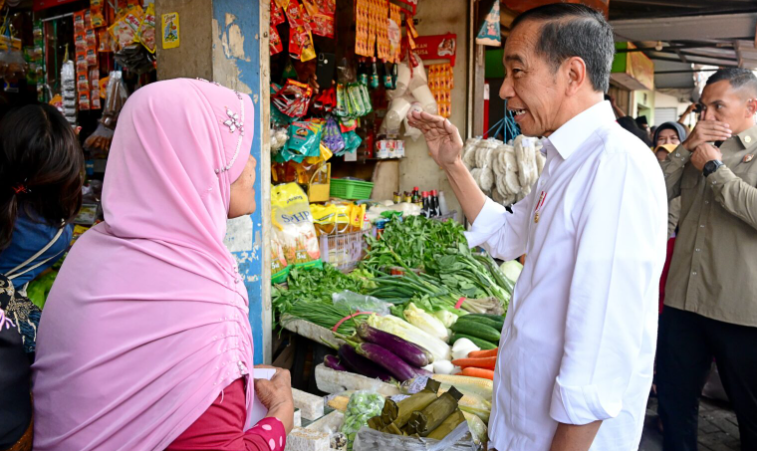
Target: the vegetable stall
(419, 313)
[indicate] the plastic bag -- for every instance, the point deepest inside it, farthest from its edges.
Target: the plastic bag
(360, 302)
(291, 216)
(362, 406)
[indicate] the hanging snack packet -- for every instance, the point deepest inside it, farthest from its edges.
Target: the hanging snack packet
(277, 14)
(80, 42)
(332, 137)
(292, 218)
(91, 38)
(146, 32)
(79, 21)
(351, 142)
(84, 100)
(293, 99)
(297, 16)
(91, 57)
(275, 44)
(304, 138)
(105, 41)
(87, 19)
(97, 17)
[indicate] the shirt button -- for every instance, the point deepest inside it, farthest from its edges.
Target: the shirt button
(707, 202)
(698, 250)
(714, 182)
(693, 273)
(678, 154)
(701, 226)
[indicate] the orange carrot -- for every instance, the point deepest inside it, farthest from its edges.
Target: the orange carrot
(477, 362)
(478, 372)
(489, 353)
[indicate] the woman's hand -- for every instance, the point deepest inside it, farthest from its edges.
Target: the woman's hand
(276, 395)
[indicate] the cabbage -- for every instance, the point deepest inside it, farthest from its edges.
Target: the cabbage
(511, 270)
(427, 323)
(446, 317)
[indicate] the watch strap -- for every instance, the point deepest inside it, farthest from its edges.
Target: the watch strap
(711, 166)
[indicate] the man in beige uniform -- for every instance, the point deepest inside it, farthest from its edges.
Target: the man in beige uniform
(711, 292)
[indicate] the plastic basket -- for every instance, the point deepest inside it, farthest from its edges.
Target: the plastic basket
(351, 189)
(344, 251)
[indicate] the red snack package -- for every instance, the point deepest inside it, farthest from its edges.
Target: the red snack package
(87, 19)
(275, 43)
(277, 14)
(91, 38)
(80, 41)
(91, 57)
(296, 15)
(79, 21)
(84, 100)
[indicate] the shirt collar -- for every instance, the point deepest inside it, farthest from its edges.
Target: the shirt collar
(568, 138)
(748, 137)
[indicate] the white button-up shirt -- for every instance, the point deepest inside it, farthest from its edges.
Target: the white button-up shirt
(579, 339)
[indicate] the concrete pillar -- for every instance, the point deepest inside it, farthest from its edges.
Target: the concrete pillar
(418, 168)
(226, 41)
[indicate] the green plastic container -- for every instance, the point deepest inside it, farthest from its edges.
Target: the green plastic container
(350, 189)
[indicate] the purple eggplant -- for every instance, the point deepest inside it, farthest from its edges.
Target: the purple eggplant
(401, 370)
(332, 361)
(409, 352)
(361, 365)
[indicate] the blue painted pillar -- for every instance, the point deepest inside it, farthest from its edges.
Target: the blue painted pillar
(240, 61)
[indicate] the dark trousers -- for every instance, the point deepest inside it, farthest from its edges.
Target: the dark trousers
(687, 344)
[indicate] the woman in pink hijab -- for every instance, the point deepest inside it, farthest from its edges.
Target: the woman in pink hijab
(145, 342)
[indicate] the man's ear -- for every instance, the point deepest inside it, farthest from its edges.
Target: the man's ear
(751, 106)
(575, 71)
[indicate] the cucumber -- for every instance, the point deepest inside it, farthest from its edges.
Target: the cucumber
(483, 344)
(497, 325)
(481, 331)
(497, 321)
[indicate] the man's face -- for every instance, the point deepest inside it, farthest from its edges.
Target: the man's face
(721, 102)
(667, 136)
(533, 92)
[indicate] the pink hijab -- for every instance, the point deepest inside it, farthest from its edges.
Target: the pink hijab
(147, 321)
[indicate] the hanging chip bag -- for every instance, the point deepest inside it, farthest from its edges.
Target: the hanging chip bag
(146, 32)
(294, 223)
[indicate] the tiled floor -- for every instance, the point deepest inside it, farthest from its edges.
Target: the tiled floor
(718, 430)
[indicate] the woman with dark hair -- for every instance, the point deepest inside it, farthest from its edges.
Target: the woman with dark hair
(40, 193)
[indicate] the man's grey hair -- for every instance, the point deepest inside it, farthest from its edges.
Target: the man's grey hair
(573, 30)
(739, 77)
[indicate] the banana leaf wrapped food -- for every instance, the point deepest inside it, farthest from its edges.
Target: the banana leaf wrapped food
(399, 412)
(424, 421)
(448, 425)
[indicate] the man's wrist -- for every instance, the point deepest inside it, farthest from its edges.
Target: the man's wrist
(711, 167)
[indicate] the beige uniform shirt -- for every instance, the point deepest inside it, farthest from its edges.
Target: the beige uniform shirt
(714, 267)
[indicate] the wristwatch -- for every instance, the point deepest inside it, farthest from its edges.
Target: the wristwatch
(711, 166)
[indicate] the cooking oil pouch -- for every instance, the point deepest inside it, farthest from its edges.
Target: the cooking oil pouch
(293, 220)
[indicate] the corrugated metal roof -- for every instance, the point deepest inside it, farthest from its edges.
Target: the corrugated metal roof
(678, 34)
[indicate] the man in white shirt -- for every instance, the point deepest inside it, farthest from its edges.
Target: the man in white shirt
(576, 356)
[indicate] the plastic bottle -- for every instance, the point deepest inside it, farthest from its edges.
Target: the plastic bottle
(443, 208)
(375, 81)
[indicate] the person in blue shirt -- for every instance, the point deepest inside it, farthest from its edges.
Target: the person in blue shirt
(41, 164)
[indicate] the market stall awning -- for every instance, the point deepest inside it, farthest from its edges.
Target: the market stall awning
(680, 36)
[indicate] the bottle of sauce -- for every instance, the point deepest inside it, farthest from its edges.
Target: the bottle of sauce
(375, 80)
